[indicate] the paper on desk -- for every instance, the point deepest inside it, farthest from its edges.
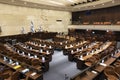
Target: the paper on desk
(34, 73)
(94, 72)
(81, 59)
(25, 70)
(103, 64)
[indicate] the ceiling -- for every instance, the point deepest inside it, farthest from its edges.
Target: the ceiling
(64, 5)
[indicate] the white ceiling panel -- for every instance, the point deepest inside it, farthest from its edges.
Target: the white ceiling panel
(65, 5)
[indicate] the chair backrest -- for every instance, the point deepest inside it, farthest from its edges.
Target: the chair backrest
(15, 76)
(4, 76)
(109, 71)
(117, 64)
(1, 69)
(35, 62)
(28, 60)
(117, 70)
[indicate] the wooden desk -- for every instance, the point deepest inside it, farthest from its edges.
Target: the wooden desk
(36, 77)
(23, 63)
(98, 51)
(108, 62)
(67, 51)
(88, 76)
(99, 68)
(35, 52)
(37, 47)
(45, 63)
(75, 45)
(81, 62)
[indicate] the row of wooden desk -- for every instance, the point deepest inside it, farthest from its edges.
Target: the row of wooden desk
(81, 62)
(21, 68)
(42, 42)
(72, 48)
(44, 56)
(39, 46)
(93, 72)
(85, 50)
(31, 50)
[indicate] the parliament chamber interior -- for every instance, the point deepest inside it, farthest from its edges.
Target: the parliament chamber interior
(59, 39)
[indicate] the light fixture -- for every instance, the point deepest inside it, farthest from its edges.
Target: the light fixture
(93, 32)
(102, 4)
(54, 2)
(107, 30)
(71, 1)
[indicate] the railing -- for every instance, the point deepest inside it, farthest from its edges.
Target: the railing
(96, 23)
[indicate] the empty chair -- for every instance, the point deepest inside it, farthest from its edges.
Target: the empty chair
(110, 73)
(117, 70)
(117, 63)
(36, 63)
(14, 76)
(5, 72)
(91, 61)
(27, 60)
(4, 76)
(97, 56)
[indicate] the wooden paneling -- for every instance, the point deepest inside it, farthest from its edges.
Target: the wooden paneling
(100, 16)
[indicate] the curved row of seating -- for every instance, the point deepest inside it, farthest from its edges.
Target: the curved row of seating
(6, 72)
(20, 64)
(113, 72)
(82, 51)
(96, 54)
(42, 42)
(35, 63)
(74, 47)
(37, 46)
(44, 57)
(95, 71)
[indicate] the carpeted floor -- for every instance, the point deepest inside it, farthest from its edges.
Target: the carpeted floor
(59, 66)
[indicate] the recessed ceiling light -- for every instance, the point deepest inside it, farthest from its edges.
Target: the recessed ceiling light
(71, 1)
(54, 2)
(87, 29)
(93, 32)
(107, 30)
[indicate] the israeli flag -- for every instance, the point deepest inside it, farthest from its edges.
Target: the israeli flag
(40, 29)
(23, 30)
(32, 27)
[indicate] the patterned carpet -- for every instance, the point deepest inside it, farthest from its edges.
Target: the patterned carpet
(59, 67)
